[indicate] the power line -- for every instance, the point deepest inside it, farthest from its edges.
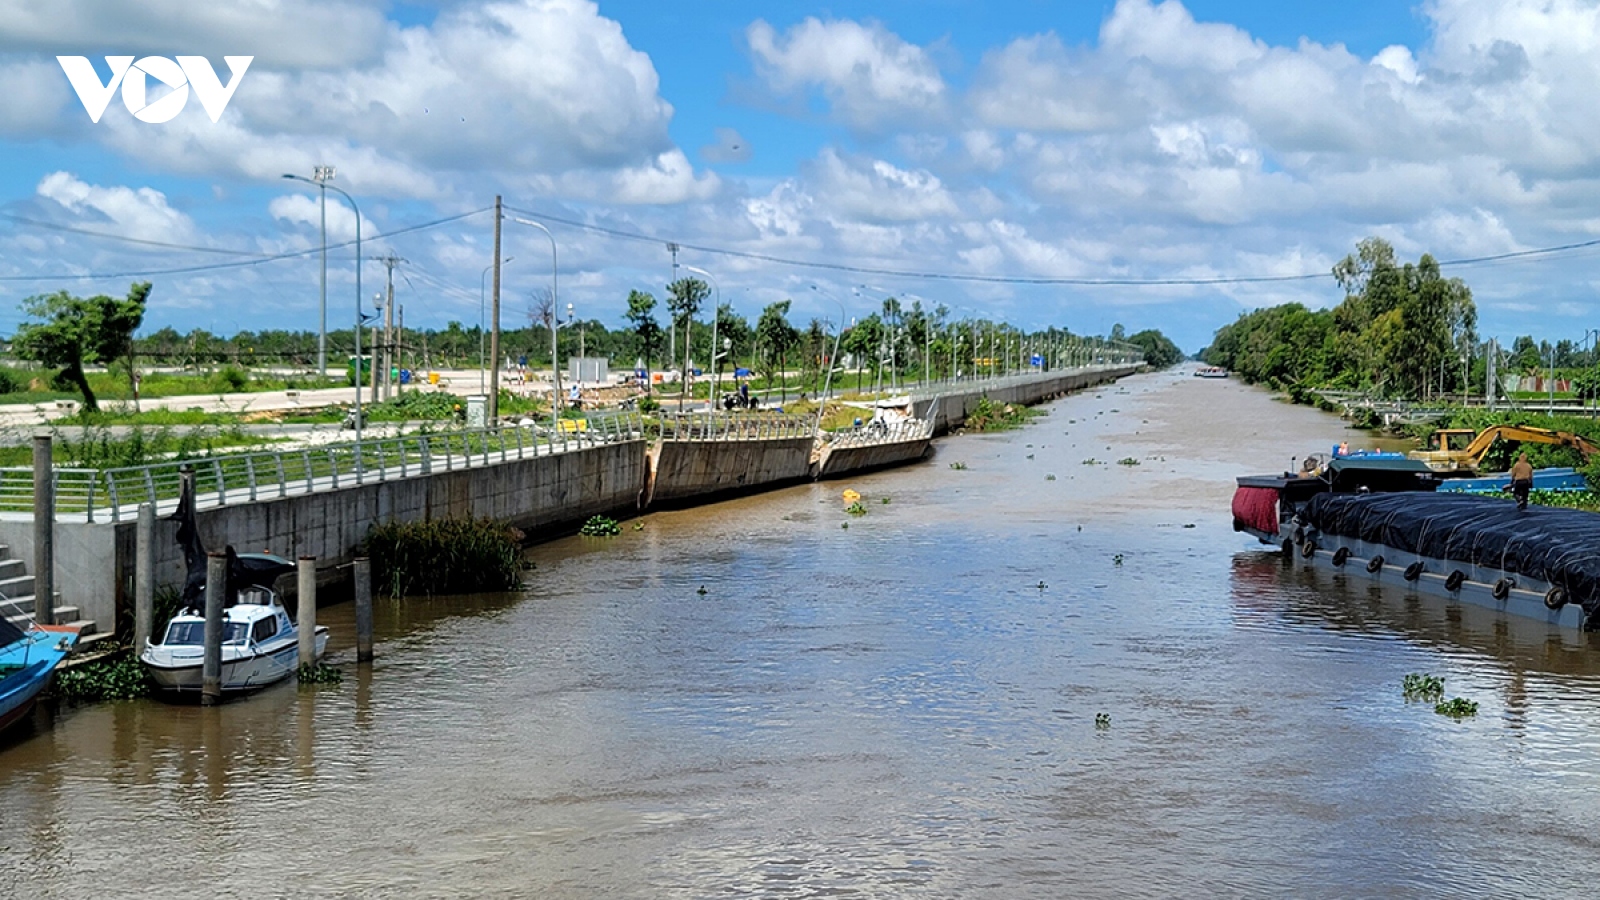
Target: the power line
(212, 267)
(1030, 280)
(130, 240)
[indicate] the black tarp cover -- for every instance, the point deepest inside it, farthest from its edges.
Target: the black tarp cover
(1560, 546)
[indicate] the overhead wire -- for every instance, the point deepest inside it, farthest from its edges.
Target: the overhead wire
(1026, 279)
(212, 267)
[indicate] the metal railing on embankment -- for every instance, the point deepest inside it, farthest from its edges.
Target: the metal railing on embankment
(114, 495)
(736, 426)
(879, 432)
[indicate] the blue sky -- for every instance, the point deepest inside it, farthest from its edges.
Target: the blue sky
(965, 155)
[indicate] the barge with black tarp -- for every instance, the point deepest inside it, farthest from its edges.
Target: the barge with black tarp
(1541, 562)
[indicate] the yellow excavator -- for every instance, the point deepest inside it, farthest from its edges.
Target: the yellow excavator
(1457, 451)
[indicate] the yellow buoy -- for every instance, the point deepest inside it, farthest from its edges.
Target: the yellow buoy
(851, 496)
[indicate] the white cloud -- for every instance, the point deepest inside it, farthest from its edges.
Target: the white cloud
(306, 209)
(878, 191)
(871, 76)
(320, 33)
(135, 212)
(532, 90)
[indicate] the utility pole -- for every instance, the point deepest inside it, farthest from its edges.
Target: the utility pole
(672, 331)
(494, 336)
(387, 360)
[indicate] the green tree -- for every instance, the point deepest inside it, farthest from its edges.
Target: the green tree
(776, 338)
(73, 332)
(641, 316)
(685, 297)
(1159, 351)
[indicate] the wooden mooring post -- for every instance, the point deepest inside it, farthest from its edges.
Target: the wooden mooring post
(363, 586)
(144, 577)
(307, 611)
(44, 531)
(211, 662)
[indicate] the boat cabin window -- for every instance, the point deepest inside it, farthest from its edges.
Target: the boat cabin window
(264, 629)
(194, 633)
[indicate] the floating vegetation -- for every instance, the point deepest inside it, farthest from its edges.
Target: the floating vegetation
(988, 415)
(844, 524)
(1041, 585)
(1030, 456)
(884, 501)
(856, 509)
(1091, 461)
(1049, 478)
(600, 526)
(317, 673)
(1418, 686)
(959, 466)
(639, 526)
(1127, 461)
(119, 676)
(702, 591)
(445, 556)
(1458, 708)
(1115, 560)
(1102, 721)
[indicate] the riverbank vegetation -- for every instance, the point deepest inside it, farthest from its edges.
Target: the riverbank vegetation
(1400, 331)
(988, 415)
(445, 556)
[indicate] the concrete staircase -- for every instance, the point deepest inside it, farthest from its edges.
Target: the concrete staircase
(20, 602)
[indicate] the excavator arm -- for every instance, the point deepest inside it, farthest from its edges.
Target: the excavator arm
(1468, 458)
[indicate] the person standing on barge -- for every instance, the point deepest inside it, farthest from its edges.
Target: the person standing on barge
(1521, 479)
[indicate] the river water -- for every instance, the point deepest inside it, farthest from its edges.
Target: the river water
(751, 700)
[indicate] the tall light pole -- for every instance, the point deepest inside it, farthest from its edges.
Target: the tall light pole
(555, 311)
(827, 382)
(716, 314)
(324, 173)
(320, 176)
(483, 371)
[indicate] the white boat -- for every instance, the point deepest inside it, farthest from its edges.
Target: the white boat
(260, 642)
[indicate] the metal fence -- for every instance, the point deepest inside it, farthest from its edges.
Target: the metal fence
(737, 426)
(115, 494)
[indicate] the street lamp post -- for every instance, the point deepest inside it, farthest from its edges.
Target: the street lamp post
(827, 382)
(483, 371)
(320, 176)
(323, 174)
(555, 368)
(716, 314)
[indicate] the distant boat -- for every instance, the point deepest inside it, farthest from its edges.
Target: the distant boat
(1211, 372)
(28, 658)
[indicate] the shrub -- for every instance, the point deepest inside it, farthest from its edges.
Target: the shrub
(445, 556)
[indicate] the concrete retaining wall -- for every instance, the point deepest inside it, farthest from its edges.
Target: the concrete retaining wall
(533, 494)
(684, 469)
(839, 461)
(95, 562)
(954, 407)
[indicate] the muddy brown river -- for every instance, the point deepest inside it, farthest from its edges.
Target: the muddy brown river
(905, 707)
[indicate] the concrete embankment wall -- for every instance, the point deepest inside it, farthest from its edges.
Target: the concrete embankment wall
(840, 461)
(95, 562)
(953, 408)
(681, 470)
